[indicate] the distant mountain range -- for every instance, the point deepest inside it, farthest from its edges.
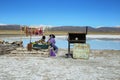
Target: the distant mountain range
(83, 29)
(68, 28)
(9, 27)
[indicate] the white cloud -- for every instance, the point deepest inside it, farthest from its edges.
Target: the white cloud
(2, 24)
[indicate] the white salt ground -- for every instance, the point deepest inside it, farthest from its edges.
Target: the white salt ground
(102, 65)
(65, 37)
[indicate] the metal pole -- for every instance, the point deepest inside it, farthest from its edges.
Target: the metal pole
(68, 48)
(86, 29)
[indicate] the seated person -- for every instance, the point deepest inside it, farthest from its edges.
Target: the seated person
(42, 41)
(42, 45)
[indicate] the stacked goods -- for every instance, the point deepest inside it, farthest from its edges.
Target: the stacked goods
(5, 49)
(1, 41)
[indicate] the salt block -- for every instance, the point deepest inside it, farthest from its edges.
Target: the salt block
(81, 51)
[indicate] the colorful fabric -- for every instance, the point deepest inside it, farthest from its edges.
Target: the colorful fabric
(33, 31)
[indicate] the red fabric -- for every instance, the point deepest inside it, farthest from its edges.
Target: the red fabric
(33, 31)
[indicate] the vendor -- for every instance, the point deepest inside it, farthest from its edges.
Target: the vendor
(52, 43)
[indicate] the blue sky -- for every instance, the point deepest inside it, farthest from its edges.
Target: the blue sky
(61, 12)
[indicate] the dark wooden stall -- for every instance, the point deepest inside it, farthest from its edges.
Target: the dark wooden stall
(76, 38)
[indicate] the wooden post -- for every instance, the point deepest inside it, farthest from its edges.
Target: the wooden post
(29, 46)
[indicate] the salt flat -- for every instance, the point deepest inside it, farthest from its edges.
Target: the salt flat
(65, 36)
(102, 65)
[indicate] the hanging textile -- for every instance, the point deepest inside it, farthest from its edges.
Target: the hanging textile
(33, 31)
(40, 31)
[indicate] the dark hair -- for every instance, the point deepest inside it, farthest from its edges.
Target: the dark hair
(53, 35)
(50, 35)
(43, 37)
